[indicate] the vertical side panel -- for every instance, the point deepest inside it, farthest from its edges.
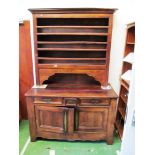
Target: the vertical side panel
(109, 45)
(35, 48)
(111, 120)
(31, 117)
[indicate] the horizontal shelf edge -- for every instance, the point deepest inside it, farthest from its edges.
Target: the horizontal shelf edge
(70, 42)
(72, 26)
(122, 112)
(69, 49)
(85, 34)
(45, 58)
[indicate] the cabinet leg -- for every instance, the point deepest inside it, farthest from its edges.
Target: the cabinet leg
(33, 139)
(110, 141)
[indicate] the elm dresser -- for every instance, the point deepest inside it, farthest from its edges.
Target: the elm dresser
(72, 53)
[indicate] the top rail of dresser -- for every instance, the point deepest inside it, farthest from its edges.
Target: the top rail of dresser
(72, 10)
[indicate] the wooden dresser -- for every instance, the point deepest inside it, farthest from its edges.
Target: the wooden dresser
(72, 53)
(79, 113)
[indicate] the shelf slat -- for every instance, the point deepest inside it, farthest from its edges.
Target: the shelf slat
(77, 65)
(47, 58)
(130, 43)
(124, 85)
(85, 34)
(122, 112)
(72, 26)
(71, 42)
(120, 129)
(69, 49)
(124, 99)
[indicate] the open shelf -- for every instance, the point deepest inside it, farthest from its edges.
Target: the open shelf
(72, 46)
(72, 29)
(131, 35)
(130, 43)
(66, 38)
(122, 112)
(63, 80)
(71, 42)
(73, 21)
(75, 54)
(119, 124)
(124, 85)
(125, 78)
(123, 98)
(79, 41)
(73, 26)
(69, 49)
(120, 130)
(126, 66)
(77, 62)
(73, 33)
(47, 58)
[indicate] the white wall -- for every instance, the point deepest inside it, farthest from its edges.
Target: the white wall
(124, 15)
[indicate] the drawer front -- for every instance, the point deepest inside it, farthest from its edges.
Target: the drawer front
(71, 101)
(49, 100)
(95, 102)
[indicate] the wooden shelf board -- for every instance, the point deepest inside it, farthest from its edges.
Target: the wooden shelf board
(79, 66)
(72, 26)
(71, 42)
(124, 99)
(85, 34)
(69, 49)
(130, 43)
(71, 64)
(120, 130)
(47, 58)
(122, 112)
(124, 85)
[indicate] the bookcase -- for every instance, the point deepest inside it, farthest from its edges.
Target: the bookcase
(72, 41)
(125, 79)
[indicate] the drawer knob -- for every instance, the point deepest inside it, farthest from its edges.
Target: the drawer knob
(95, 101)
(47, 99)
(71, 101)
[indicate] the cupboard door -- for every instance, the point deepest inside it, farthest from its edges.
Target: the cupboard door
(88, 119)
(53, 119)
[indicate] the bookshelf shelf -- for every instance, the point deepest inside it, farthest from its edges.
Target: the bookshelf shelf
(125, 78)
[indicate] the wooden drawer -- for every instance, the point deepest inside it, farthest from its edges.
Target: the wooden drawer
(94, 102)
(49, 100)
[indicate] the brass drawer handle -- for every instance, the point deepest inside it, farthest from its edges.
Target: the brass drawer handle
(46, 99)
(95, 101)
(65, 121)
(71, 101)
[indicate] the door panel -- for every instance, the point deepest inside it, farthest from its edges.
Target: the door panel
(53, 119)
(90, 119)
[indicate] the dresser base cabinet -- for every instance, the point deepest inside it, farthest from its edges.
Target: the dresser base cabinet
(71, 116)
